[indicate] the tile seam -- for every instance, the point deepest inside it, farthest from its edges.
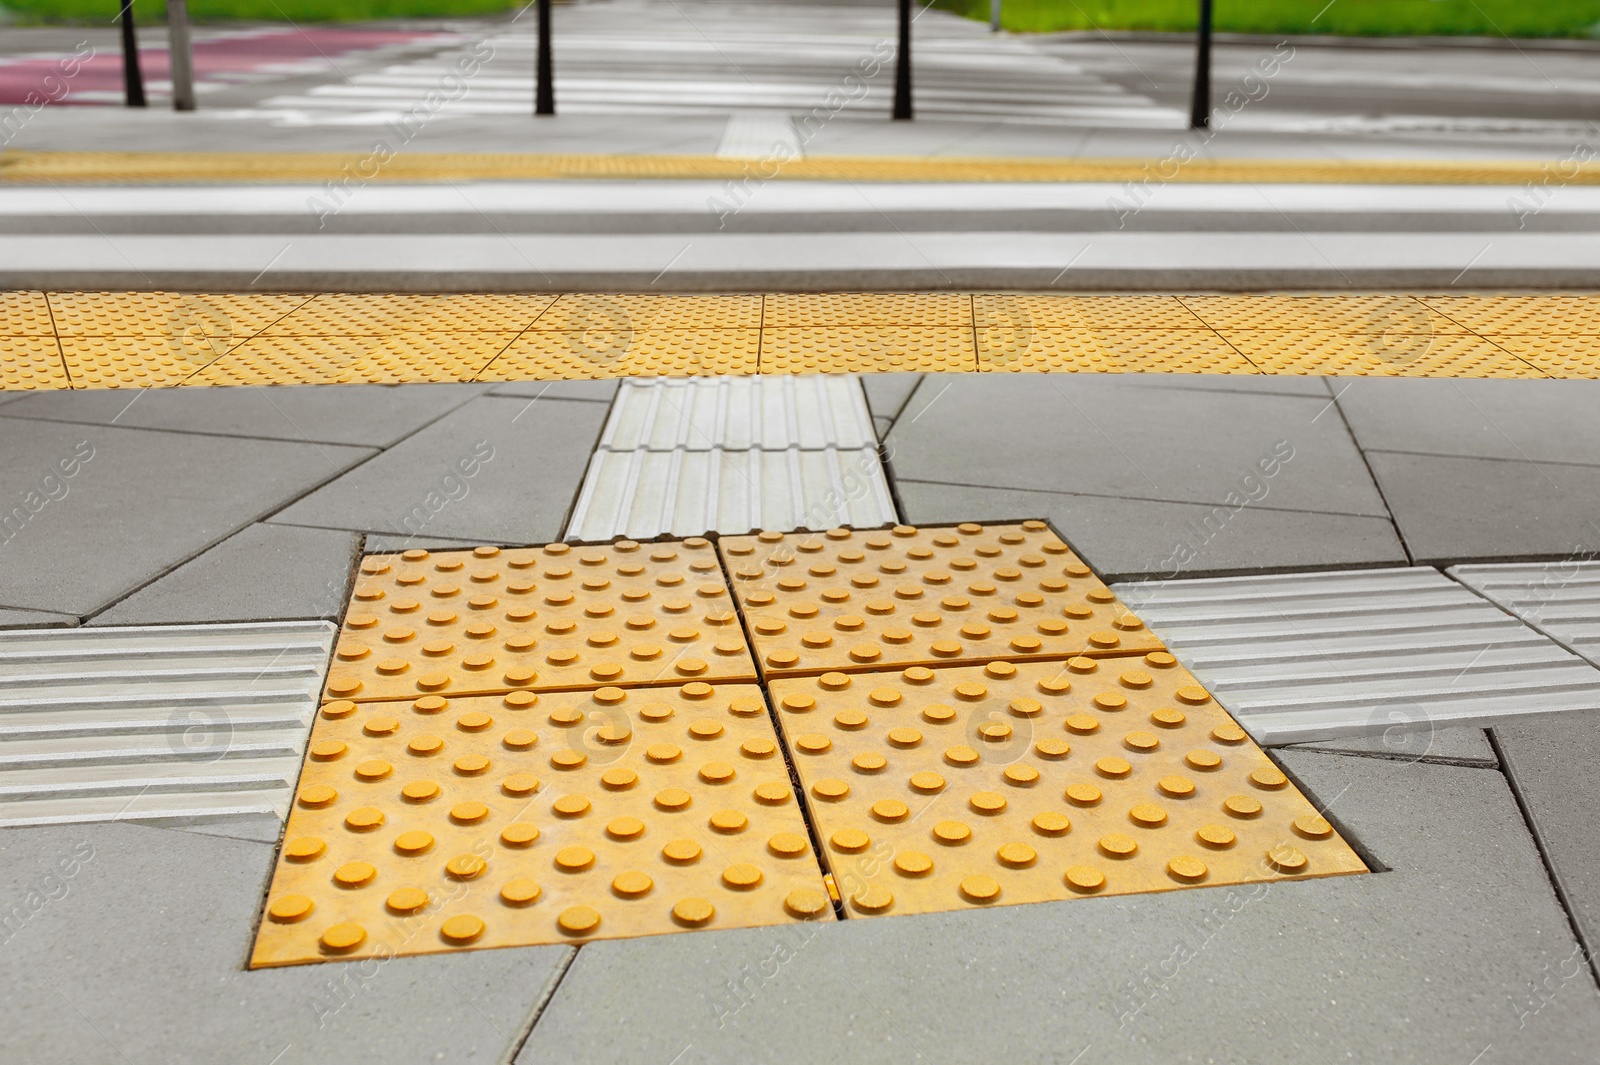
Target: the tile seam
(1533, 625)
(806, 814)
(536, 1012)
(1541, 847)
(1377, 486)
(1142, 499)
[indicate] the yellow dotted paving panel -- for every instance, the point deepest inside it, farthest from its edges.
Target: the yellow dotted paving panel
(824, 310)
(603, 353)
(444, 824)
(394, 359)
(1569, 356)
(114, 339)
(221, 318)
(866, 600)
(652, 314)
(25, 314)
(28, 363)
(491, 620)
(867, 349)
(380, 315)
(1021, 311)
(135, 362)
(1492, 315)
(1036, 349)
(19, 167)
(943, 789)
(1392, 355)
(1330, 314)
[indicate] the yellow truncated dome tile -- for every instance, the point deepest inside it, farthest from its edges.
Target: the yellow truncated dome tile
(944, 789)
(491, 620)
(867, 349)
(28, 363)
(450, 823)
(866, 600)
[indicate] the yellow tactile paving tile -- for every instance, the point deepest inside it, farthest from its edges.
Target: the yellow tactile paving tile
(30, 363)
(905, 596)
(1349, 314)
(25, 314)
(1558, 356)
(136, 362)
(946, 789)
(445, 824)
(867, 349)
(381, 315)
(1368, 355)
(1531, 315)
(828, 310)
(223, 318)
(1021, 311)
(556, 617)
(1041, 349)
(602, 313)
(117, 338)
(20, 167)
(393, 359)
(597, 354)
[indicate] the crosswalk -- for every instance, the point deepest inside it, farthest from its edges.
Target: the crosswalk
(816, 62)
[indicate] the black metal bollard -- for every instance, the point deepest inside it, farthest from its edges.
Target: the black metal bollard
(1200, 102)
(132, 79)
(902, 65)
(544, 97)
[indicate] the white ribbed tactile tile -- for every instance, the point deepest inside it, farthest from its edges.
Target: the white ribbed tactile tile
(771, 411)
(731, 454)
(1317, 656)
(684, 493)
(1561, 599)
(136, 723)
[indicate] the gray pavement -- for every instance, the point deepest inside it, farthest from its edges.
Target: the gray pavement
(127, 944)
(1460, 948)
(1435, 960)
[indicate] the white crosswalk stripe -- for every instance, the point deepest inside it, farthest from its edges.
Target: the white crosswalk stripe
(638, 57)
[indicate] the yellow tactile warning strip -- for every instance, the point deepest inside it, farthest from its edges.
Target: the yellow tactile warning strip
(942, 789)
(480, 822)
(537, 619)
(18, 167)
(120, 340)
(446, 804)
(847, 600)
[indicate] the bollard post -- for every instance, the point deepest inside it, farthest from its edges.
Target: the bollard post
(994, 16)
(180, 53)
(902, 65)
(132, 79)
(544, 101)
(1200, 102)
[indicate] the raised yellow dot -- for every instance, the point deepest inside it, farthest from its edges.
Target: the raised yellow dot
(287, 909)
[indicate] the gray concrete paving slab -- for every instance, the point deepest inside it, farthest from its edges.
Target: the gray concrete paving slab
(258, 828)
(1073, 433)
(1453, 746)
(263, 572)
(887, 392)
(499, 469)
(1466, 509)
(136, 503)
(595, 391)
(1122, 538)
(1459, 953)
(882, 426)
(1551, 763)
(1535, 421)
(128, 944)
(371, 415)
(32, 619)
